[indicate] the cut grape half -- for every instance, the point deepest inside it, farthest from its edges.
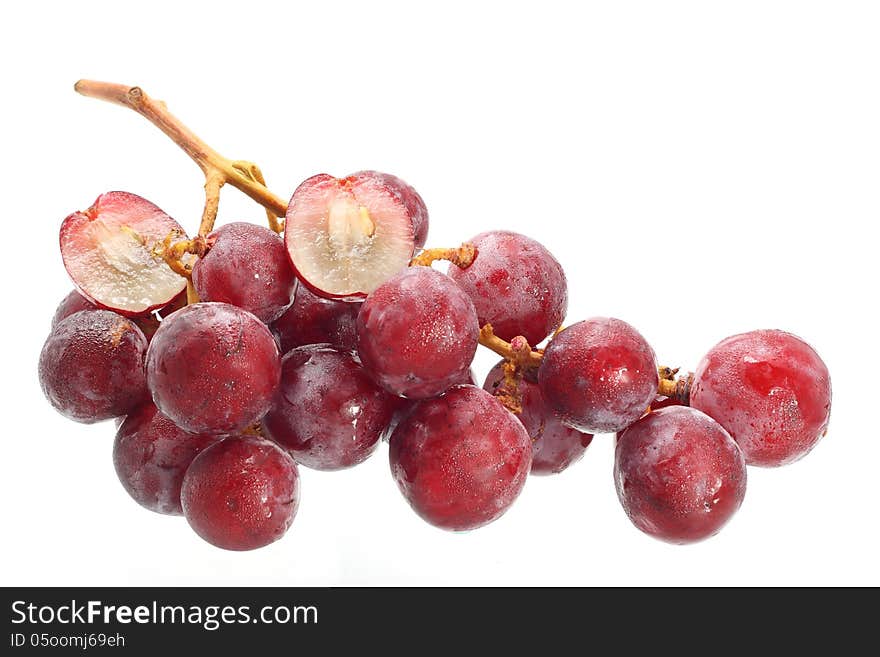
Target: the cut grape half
(108, 252)
(347, 236)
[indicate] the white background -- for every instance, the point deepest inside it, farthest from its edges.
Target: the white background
(699, 168)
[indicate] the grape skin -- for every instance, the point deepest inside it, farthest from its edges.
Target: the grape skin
(314, 320)
(516, 285)
(247, 266)
(679, 475)
(328, 413)
(554, 446)
(213, 368)
(770, 390)
(91, 367)
(460, 459)
(600, 375)
(241, 493)
(151, 454)
(72, 303)
(417, 333)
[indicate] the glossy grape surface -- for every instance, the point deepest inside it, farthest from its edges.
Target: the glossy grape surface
(315, 320)
(770, 390)
(241, 493)
(92, 366)
(151, 454)
(247, 266)
(328, 413)
(460, 459)
(516, 285)
(213, 368)
(417, 333)
(555, 446)
(679, 475)
(600, 375)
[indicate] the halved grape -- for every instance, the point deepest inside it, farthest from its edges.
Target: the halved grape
(108, 252)
(347, 236)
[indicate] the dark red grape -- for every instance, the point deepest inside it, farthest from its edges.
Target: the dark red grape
(415, 206)
(314, 320)
(241, 493)
(248, 267)
(516, 285)
(213, 368)
(328, 413)
(770, 390)
(92, 366)
(554, 445)
(151, 455)
(72, 303)
(460, 459)
(679, 475)
(417, 333)
(599, 375)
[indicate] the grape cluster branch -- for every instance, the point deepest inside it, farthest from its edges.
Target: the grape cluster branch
(218, 170)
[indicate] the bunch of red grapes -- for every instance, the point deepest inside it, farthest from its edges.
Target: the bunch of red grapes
(310, 349)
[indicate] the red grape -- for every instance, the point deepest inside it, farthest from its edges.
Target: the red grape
(241, 493)
(246, 266)
(328, 413)
(770, 390)
(679, 475)
(314, 320)
(92, 366)
(151, 455)
(460, 459)
(415, 206)
(213, 368)
(108, 252)
(516, 285)
(417, 333)
(554, 445)
(599, 375)
(347, 236)
(72, 303)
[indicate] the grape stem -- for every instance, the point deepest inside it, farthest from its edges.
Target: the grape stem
(244, 176)
(462, 256)
(678, 388)
(517, 351)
